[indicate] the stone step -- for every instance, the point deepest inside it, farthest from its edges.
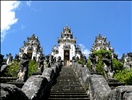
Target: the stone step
(68, 81)
(61, 93)
(86, 98)
(68, 87)
(68, 91)
(7, 79)
(18, 84)
(68, 96)
(63, 86)
(79, 89)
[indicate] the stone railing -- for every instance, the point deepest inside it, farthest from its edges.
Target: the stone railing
(37, 87)
(98, 88)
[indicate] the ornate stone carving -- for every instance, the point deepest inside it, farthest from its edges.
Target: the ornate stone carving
(17, 57)
(46, 62)
(41, 63)
(23, 70)
(93, 62)
(9, 59)
(108, 67)
(101, 43)
(31, 47)
(127, 60)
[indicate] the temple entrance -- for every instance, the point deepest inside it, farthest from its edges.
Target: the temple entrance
(66, 58)
(29, 52)
(29, 55)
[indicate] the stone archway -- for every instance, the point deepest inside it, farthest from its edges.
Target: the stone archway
(66, 57)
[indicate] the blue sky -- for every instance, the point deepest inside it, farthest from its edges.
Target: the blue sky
(47, 19)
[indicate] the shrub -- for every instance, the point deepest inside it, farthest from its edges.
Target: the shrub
(89, 64)
(100, 53)
(80, 61)
(124, 76)
(12, 70)
(32, 67)
(117, 65)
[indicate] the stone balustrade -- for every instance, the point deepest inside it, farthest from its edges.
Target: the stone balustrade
(35, 88)
(97, 87)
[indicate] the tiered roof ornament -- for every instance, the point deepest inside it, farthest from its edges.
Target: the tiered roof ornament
(101, 43)
(31, 47)
(66, 36)
(78, 49)
(54, 50)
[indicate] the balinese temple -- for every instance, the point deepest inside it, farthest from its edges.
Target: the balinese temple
(31, 47)
(66, 47)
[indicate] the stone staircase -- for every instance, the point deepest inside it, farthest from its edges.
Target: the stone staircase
(68, 87)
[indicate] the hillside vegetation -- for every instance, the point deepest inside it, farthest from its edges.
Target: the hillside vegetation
(121, 73)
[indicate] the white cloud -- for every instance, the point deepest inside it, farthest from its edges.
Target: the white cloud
(28, 3)
(84, 50)
(8, 16)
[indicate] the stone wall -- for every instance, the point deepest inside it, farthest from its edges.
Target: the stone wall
(97, 87)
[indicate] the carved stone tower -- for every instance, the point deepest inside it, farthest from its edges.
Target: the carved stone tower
(31, 47)
(101, 43)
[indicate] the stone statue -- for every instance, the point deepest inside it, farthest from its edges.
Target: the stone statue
(17, 57)
(59, 62)
(3, 65)
(108, 67)
(115, 56)
(1, 59)
(9, 59)
(40, 63)
(77, 58)
(73, 61)
(23, 70)
(85, 60)
(123, 58)
(51, 60)
(46, 62)
(54, 59)
(128, 61)
(93, 62)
